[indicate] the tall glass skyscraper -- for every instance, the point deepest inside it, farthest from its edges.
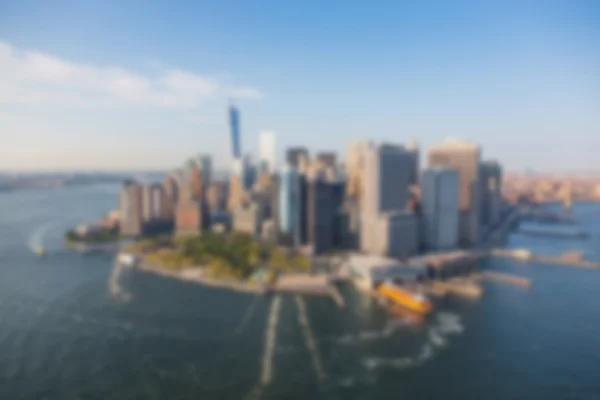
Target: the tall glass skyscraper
(234, 121)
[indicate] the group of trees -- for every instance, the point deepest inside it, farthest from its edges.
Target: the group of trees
(234, 255)
(97, 237)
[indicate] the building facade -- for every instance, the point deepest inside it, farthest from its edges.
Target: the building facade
(131, 207)
(491, 193)
(248, 218)
(234, 124)
(440, 192)
(385, 188)
(294, 156)
(289, 203)
(320, 214)
(327, 159)
(465, 158)
(267, 151)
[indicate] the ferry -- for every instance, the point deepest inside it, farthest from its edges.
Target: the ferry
(412, 299)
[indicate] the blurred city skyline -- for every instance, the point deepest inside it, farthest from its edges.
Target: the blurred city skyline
(135, 86)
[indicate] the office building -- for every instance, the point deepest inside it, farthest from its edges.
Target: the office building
(216, 197)
(131, 209)
(191, 214)
(490, 193)
(171, 189)
(355, 167)
(248, 218)
(327, 159)
(289, 203)
(414, 153)
(320, 212)
(249, 173)
(440, 208)
(237, 194)
(204, 164)
(234, 124)
(465, 158)
(296, 156)
(267, 151)
(396, 234)
(385, 188)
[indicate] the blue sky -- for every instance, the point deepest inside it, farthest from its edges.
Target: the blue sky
(127, 84)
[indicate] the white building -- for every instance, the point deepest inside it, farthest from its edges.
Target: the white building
(440, 195)
(267, 150)
(368, 271)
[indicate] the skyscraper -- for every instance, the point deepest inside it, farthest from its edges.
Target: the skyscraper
(234, 122)
(413, 150)
(204, 163)
(131, 209)
(320, 213)
(490, 179)
(385, 189)
(355, 168)
(267, 151)
(439, 205)
(464, 157)
(294, 155)
(289, 203)
(327, 158)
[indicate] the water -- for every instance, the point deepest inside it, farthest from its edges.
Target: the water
(73, 327)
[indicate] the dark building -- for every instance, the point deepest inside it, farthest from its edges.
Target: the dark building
(294, 154)
(328, 158)
(234, 122)
(320, 212)
(303, 189)
(490, 179)
(191, 214)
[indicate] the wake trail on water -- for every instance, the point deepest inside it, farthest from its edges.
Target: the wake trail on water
(309, 339)
(443, 327)
(36, 238)
(247, 316)
(114, 286)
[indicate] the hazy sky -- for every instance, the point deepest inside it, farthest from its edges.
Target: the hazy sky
(138, 84)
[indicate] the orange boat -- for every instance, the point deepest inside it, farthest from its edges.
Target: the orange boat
(410, 299)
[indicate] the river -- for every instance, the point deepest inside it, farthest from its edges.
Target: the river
(76, 327)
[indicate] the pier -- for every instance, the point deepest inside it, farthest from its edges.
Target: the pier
(567, 259)
(553, 234)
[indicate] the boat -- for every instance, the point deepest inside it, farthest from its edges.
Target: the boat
(412, 299)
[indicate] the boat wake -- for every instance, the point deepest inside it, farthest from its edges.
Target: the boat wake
(365, 336)
(438, 335)
(35, 243)
(114, 286)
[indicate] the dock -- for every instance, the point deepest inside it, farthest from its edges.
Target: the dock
(504, 278)
(553, 234)
(567, 259)
(308, 284)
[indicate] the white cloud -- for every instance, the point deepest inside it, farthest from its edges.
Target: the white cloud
(31, 77)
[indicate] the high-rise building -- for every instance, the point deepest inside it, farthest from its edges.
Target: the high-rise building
(267, 151)
(413, 151)
(204, 164)
(234, 122)
(131, 209)
(439, 206)
(327, 159)
(385, 188)
(249, 173)
(396, 234)
(289, 203)
(171, 188)
(237, 194)
(463, 157)
(355, 163)
(490, 179)
(191, 214)
(294, 155)
(320, 214)
(248, 218)
(217, 196)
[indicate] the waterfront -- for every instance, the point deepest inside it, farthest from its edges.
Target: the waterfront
(75, 327)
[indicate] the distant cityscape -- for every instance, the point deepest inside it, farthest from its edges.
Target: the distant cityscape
(379, 201)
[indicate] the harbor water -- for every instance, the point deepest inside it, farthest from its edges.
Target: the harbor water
(76, 327)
